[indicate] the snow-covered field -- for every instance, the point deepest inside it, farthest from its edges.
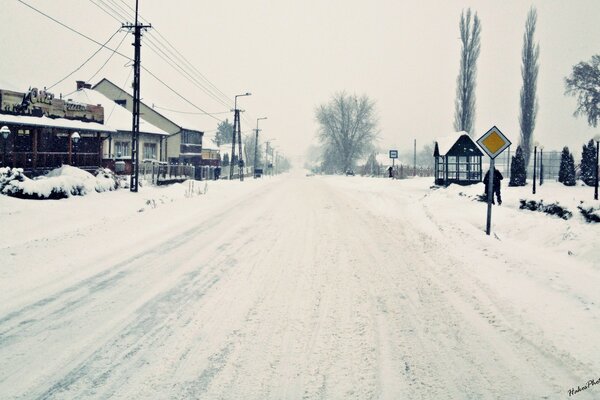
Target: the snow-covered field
(298, 287)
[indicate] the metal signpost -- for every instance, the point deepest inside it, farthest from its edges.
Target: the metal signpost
(493, 142)
(393, 156)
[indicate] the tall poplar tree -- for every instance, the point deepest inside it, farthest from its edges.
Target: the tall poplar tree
(529, 72)
(464, 106)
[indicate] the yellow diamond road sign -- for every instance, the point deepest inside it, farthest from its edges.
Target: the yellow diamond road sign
(493, 142)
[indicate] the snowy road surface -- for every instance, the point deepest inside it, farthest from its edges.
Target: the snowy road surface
(301, 288)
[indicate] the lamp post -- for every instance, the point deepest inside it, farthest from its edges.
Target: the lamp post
(75, 138)
(534, 164)
(236, 129)
(597, 139)
(256, 146)
(5, 132)
(541, 165)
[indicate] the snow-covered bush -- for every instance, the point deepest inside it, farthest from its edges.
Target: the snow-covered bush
(59, 183)
(552, 209)
(590, 212)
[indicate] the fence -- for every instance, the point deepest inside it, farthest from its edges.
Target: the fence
(399, 171)
(161, 173)
(550, 164)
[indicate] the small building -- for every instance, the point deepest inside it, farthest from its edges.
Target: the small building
(184, 143)
(117, 147)
(457, 160)
(48, 132)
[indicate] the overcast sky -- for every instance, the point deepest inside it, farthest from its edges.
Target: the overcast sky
(293, 55)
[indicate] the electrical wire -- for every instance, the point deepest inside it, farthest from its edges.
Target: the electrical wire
(157, 47)
(72, 29)
(85, 62)
(188, 112)
(108, 59)
(227, 98)
(122, 55)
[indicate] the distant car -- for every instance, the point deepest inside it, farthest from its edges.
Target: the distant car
(349, 173)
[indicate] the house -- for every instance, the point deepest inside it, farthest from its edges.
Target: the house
(44, 132)
(117, 147)
(184, 143)
(457, 160)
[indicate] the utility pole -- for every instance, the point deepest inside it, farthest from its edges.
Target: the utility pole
(236, 135)
(267, 156)
(415, 159)
(135, 130)
(256, 146)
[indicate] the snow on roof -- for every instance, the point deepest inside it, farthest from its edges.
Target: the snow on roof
(445, 143)
(115, 116)
(184, 120)
(54, 122)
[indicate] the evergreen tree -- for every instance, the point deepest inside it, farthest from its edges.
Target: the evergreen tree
(588, 164)
(566, 173)
(518, 175)
(464, 112)
(225, 159)
(224, 133)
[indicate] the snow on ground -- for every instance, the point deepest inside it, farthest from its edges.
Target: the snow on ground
(298, 287)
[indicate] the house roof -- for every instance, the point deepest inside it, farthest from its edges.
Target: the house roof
(182, 120)
(445, 143)
(115, 116)
(55, 123)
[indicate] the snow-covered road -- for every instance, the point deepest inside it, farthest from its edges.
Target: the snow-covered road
(302, 288)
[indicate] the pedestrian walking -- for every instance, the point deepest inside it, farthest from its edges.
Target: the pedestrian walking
(496, 185)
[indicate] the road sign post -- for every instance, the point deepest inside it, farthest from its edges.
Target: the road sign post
(493, 142)
(393, 156)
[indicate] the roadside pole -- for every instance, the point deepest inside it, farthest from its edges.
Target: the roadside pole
(493, 143)
(490, 197)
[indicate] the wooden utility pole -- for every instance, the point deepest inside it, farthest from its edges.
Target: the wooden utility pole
(135, 130)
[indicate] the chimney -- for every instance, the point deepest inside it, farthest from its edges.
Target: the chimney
(83, 85)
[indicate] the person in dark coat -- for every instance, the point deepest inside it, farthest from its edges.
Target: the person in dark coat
(496, 185)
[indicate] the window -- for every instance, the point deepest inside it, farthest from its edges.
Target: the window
(122, 149)
(150, 151)
(191, 137)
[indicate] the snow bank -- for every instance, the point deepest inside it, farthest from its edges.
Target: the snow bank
(59, 183)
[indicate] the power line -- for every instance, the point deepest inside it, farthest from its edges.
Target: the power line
(108, 59)
(72, 29)
(157, 47)
(183, 58)
(122, 55)
(86, 61)
(188, 112)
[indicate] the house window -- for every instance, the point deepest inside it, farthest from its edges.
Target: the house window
(122, 149)
(189, 137)
(150, 151)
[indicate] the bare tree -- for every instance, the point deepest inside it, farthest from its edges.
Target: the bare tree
(529, 72)
(348, 128)
(464, 112)
(584, 83)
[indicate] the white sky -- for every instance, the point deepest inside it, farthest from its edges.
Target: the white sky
(293, 55)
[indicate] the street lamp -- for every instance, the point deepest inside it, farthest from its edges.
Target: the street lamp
(236, 122)
(597, 139)
(75, 138)
(541, 165)
(256, 145)
(5, 132)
